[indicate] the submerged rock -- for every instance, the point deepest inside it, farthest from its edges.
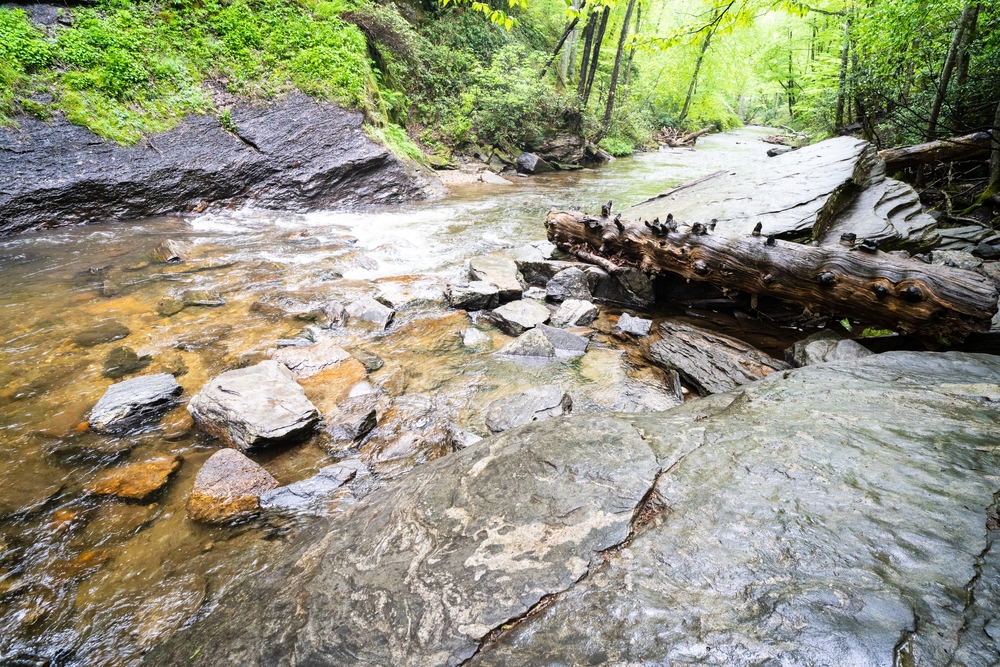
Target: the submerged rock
(124, 361)
(105, 332)
(254, 407)
(500, 272)
(336, 315)
(536, 404)
(743, 529)
(475, 295)
(371, 361)
(563, 341)
(308, 360)
(574, 313)
(312, 494)
(132, 404)
(171, 251)
(227, 487)
(206, 298)
(352, 423)
(168, 307)
(371, 311)
(136, 481)
(516, 317)
(532, 343)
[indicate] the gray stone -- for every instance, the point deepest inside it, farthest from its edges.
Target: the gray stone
(540, 272)
(371, 361)
(536, 404)
(992, 271)
(499, 271)
(104, 332)
(475, 295)
(779, 150)
(888, 212)
(535, 294)
(134, 403)
(574, 313)
(311, 495)
(964, 238)
(516, 317)
(336, 315)
(254, 407)
(356, 419)
(207, 298)
(529, 163)
(825, 351)
(808, 518)
(227, 487)
(569, 283)
(987, 250)
(532, 343)
(474, 338)
(958, 259)
(308, 360)
(371, 311)
(171, 251)
(122, 361)
(169, 306)
(796, 354)
(631, 288)
(562, 340)
(634, 326)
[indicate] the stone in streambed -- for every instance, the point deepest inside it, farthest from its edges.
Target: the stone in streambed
(136, 481)
(536, 404)
(569, 283)
(228, 486)
(105, 332)
(336, 315)
(168, 307)
(532, 343)
(516, 317)
(171, 252)
(310, 495)
(308, 360)
(574, 313)
(371, 361)
(475, 295)
(634, 326)
(529, 163)
(124, 361)
(255, 407)
(826, 351)
(372, 312)
(956, 259)
(499, 271)
(563, 341)
(474, 338)
(200, 297)
(356, 419)
(134, 403)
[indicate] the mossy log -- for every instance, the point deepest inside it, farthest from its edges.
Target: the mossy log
(970, 147)
(874, 287)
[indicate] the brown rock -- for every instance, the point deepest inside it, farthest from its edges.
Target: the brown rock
(177, 424)
(137, 481)
(228, 486)
(310, 360)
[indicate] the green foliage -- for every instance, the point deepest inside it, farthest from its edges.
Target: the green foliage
(397, 140)
(617, 146)
(226, 121)
(22, 51)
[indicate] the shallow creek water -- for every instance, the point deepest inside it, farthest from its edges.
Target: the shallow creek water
(89, 580)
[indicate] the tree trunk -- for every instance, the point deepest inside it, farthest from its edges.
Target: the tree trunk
(569, 49)
(609, 109)
(588, 40)
(559, 45)
(994, 184)
(946, 71)
(694, 76)
(596, 56)
(842, 85)
(631, 51)
(880, 289)
(965, 55)
(970, 147)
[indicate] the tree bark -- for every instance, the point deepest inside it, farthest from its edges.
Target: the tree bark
(569, 49)
(613, 85)
(694, 77)
(596, 56)
(946, 71)
(631, 51)
(994, 185)
(964, 54)
(588, 40)
(842, 85)
(970, 147)
(879, 289)
(559, 45)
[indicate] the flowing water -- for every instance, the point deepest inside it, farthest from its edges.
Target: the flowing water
(94, 580)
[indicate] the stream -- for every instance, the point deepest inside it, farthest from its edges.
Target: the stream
(94, 580)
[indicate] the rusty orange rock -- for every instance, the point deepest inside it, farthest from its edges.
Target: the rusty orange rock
(137, 481)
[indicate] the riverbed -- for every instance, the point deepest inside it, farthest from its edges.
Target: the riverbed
(94, 580)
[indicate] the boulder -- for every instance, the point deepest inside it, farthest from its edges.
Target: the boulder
(564, 342)
(958, 259)
(633, 326)
(631, 288)
(779, 150)
(314, 494)
(564, 147)
(169, 306)
(122, 361)
(536, 404)
(356, 419)
(371, 361)
(371, 311)
(529, 163)
(569, 283)
(228, 486)
(136, 481)
(807, 518)
(516, 317)
(796, 354)
(254, 407)
(536, 268)
(986, 250)
(171, 251)
(103, 332)
(308, 360)
(532, 343)
(499, 271)
(712, 362)
(574, 313)
(132, 404)
(825, 351)
(475, 295)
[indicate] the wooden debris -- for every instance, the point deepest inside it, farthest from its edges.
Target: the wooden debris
(674, 138)
(975, 146)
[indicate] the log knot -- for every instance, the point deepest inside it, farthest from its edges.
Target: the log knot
(826, 279)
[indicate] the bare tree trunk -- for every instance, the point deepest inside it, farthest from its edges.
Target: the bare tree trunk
(595, 58)
(842, 86)
(946, 71)
(559, 45)
(694, 77)
(588, 40)
(631, 51)
(566, 59)
(994, 185)
(965, 55)
(609, 109)
(791, 76)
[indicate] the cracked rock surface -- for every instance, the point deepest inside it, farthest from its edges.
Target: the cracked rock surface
(829, 515)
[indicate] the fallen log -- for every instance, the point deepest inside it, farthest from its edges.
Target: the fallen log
(973, 146)
(676, 139)
(877, 288)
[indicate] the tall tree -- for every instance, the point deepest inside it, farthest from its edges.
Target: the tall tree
(952, 57)
(595, 58)
(994, 185)
(609, 109)
(842, 83)
(588, 40)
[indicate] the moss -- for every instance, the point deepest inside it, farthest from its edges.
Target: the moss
(397, 140)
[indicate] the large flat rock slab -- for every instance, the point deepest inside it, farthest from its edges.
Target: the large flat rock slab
(422, 572)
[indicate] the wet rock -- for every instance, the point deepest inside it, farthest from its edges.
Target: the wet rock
(168, 307)
(992, 271)
(336, 315)
(534, 293)
(712, 362)
(460, 438)
(499, 271)
(228, 486)
(371, 311)
(986, 250)
(475, 295)
(825, 351)
(633, 326)
(956, 258)
(569, 283)
(122, 361)
(313, 494)
(493, 179)
(631, 288)
(132, 404)
(413, 431)
(267, 311)
(516, 317)
(537, 404)
(536, 269)
(170, 251)
(563, 341)
(964, 239)
(308, 360)
(391, 380)
(574, 313)
(206, 298)
(371, 361)
(254, 407)
(177, 424)
(796, 354)
(475, 338)
(356, 419)
(136, 481)
(104, 332)
(779, 150)
(529, 163)
(532, 343)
